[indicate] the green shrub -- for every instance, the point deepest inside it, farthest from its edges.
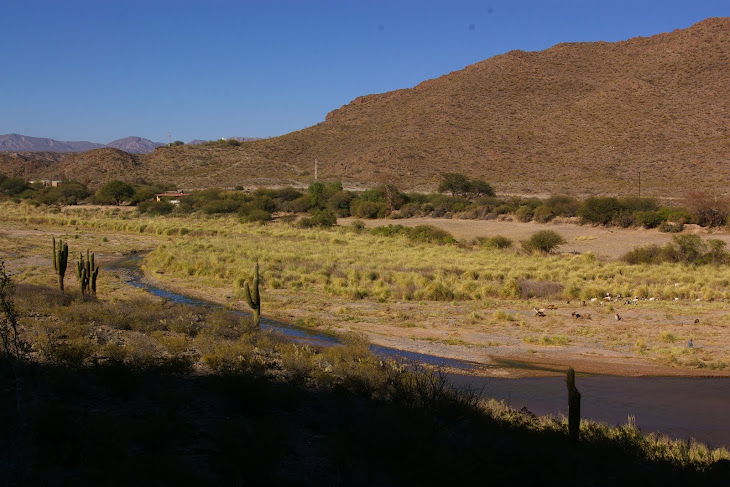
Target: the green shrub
(544, 241)
(497, 242)
(257, 216)
(598, 210)
(524, 213)
(543, 214)
(320, 218)
(368, 209)
(563, 205)
(649, 219)
(430, 234)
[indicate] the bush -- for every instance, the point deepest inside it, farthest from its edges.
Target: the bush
(524, 214)
(599, 211)
(220, 206)
(430, 234)
(563, 205)
(649, 219)
(687, 249)
(543, 214)
(419, 233)
(368, 209)
(156, 207)
(671, 227)
(257, 216)
(320, 218)
(544, 241)
(497, 242)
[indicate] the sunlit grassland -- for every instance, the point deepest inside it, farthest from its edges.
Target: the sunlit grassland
(484, 295)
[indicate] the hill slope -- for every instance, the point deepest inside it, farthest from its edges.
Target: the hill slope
(579, 118)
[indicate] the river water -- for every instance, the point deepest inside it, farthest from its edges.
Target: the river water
(681, 407)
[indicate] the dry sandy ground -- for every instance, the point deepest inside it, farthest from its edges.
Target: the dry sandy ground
(451, 330)
(609, 242)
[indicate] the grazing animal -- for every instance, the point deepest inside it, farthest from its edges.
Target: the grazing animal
(551, 306)
(579, 316)
(690, 344)
(697, 320)
(618, 317)
(539, 312)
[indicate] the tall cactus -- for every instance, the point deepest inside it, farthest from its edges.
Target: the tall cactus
(81, 273)
(573, 407)
(253, 298)
(60, 260)
(87, 272)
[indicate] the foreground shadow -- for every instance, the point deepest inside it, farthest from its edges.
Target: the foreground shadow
(113, 425)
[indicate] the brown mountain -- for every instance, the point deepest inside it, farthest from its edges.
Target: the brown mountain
(578, 118)
(134, 145)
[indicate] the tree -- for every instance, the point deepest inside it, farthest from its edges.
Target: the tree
(455, 183)
(13, 187)
(479, 187)
(114, 192)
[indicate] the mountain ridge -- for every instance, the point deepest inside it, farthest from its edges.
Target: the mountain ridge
(648, 114)
(24, 143)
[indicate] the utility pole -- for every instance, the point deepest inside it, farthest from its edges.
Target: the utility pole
(315, 169)
(639, 182)
(168, 138)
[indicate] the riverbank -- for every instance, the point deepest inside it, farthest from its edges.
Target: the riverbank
(515, 359)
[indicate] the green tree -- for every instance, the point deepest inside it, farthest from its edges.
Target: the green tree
(14, 186)
(455, 183)
(479, 187)
(114, 192)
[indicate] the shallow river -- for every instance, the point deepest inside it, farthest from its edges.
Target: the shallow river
(680, 407)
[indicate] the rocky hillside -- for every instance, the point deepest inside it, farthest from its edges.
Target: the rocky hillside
(579, 118)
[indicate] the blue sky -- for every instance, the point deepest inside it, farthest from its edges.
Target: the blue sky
(106, 69)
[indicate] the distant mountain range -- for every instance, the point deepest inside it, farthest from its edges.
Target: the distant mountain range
(23, 143)
(132, 145)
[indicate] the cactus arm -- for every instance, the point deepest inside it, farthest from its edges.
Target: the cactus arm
(93, 280)
(255, 296)
(247, 296)
(253, 299)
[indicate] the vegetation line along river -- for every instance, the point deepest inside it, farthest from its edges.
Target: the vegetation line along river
(682, 407)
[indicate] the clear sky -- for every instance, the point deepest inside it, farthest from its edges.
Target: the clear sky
(100, 70)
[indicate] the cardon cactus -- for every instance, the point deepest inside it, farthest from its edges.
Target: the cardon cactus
(60, 260)
(252, 297)
(87, 272)
(81, 273)
(573, 407)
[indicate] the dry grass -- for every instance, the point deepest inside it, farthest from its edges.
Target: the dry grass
(392, 288)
